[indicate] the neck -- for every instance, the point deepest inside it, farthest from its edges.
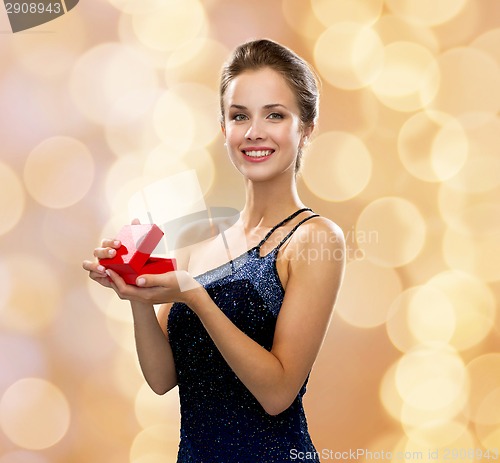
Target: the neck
(269, 202)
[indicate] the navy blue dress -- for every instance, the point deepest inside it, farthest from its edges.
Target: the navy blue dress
(221, 421)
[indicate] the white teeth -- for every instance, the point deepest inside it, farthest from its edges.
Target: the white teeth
(258, 154)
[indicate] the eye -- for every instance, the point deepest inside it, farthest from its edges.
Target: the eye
(275, 116)
(239, 117)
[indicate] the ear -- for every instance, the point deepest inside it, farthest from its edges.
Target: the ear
(223, 129)
(306, 133)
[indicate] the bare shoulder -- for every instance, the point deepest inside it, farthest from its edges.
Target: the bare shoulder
(318, 245)
(319, 232)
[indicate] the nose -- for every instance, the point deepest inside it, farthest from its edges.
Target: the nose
(255, 130)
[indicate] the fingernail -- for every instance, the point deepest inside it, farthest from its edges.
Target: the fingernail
(111, 252)
(101, 269)
(116, 243)
(141, 281)
(108, 273)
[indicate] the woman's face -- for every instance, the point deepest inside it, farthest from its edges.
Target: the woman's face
(262, 124)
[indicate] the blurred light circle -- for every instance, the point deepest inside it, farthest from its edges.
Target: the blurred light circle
(100, 296)
(434, 148)
(471, 69)
(414, 419)
(31, 308)
(431, 378)
(331, 12)
(198, 61)
(163, 159)
(119, 199)
(34, 413)
(122, 332)
(12, 201)
(52, 56)
(107, 72)
(484, 373)
(23, 456)
(392, 28)
(349, 55)
(20, 357)
(137, 6)
(127, 375)
(337, 166)
(460, 449)
(129, 127)
(474, 254)
(397, 325)
(174, 121)
(152, 410)
(395, 231)
(368, 308)
(170, 24)
(389, 395)
(476, 215)
(123, 171)
(421, 315)
(488, 42)
(473, 303)
(203, 103)
(488, 411)
(426, 12)
(155, 444)
(437, 432)
(418, 420)
(405, 82)
(480, 170)
(489, 439)
(300, 17)
(101, 411)
(431, 318)
(59, 172)
(478, 220)
(119, 322)
(77, 240)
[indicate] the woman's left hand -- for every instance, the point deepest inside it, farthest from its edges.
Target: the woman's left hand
(175, 286)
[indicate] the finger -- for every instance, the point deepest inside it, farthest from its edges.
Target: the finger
(124, 290)
(136, 221)
(93, 266)
(152, 280)
(104, 253)
(107, 243)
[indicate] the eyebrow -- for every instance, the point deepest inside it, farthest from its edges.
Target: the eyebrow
(267, 106)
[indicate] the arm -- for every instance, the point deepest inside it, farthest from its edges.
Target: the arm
(150, 329)
(315, 269)
(153, 347)
(315, 272)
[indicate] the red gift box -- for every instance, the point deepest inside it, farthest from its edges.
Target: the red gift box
(133, 257)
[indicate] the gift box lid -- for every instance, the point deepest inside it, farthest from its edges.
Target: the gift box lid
(138, 242)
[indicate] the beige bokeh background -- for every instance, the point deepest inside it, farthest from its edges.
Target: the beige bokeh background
(118, 94)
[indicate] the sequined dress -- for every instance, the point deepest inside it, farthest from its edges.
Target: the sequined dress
(221, 421)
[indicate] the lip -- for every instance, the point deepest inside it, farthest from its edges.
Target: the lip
(257, 148)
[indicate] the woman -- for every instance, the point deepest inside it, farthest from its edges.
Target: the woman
(241, 338)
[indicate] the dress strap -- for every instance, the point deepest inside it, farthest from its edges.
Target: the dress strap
(292, 231)
(283, 222)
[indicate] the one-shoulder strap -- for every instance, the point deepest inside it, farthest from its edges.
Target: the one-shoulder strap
(283, 222)
(292, 231)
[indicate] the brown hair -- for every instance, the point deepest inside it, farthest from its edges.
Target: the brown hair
(297, 73)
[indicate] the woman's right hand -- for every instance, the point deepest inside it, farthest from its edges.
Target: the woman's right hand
(96, 271)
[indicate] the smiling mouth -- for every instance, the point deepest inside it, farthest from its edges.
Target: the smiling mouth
(258, 153)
